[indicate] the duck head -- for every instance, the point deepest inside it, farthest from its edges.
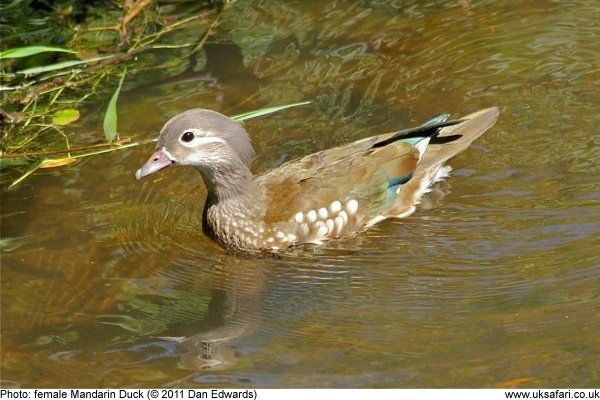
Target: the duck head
(204, 139)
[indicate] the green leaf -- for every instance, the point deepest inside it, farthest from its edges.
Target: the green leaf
(60, 65)
(6, 162)
(21, 52)
(110, 118)
(65, 117)
(266, 111)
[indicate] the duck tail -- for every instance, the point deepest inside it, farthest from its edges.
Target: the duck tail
(452, 139)
(448, 141)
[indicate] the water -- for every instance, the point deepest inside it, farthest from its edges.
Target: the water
(493, 283)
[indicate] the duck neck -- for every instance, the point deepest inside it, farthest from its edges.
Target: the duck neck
(229, 183)
(234, 200)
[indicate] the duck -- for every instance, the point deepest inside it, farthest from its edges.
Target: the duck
(332, 194)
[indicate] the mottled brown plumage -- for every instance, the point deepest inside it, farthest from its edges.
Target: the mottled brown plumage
(330, 194)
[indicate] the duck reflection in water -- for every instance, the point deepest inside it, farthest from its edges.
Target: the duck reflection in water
(233, 312)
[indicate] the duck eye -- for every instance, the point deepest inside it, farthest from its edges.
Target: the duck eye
(187, 136)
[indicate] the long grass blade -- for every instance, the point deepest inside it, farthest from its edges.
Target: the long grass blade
(110, 150)
(61, 65)
(266, 111)
(20, 52)
(30, 171)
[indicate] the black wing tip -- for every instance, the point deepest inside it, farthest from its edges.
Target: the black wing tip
(430, 130)
(444, 139)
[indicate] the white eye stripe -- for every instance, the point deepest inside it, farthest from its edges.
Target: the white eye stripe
(209, 139)
(200, 140)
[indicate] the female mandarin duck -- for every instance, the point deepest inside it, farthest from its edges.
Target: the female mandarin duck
(330, 194)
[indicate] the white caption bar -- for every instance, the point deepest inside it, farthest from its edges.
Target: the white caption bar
(127, 394)
(293, 394)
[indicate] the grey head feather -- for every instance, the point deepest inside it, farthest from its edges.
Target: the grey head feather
(219, 125)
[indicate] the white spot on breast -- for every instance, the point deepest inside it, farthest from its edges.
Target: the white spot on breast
(299, 217)
(311, 216)
(291, 237)
(280, 235)
(335, 207)
(330, 226)
(315, 230)
(323, 213)
(304, 229)
(270, 240)
(339, 225)
(322, 231)
(344, 216)
(352, 206)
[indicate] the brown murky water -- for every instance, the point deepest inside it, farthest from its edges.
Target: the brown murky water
(494, 283)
